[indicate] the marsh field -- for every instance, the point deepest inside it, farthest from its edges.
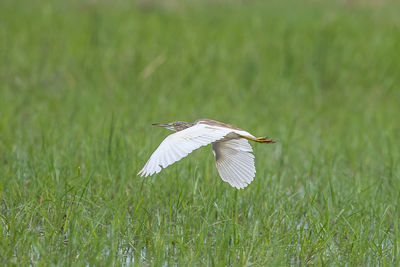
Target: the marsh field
(82, 81)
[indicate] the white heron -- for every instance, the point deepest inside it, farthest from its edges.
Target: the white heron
(232, 151)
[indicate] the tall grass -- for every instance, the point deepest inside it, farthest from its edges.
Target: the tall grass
(81, 82)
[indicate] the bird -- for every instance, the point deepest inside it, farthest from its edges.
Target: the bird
(233, 153)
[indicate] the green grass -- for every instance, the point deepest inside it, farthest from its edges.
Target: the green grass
(80, 84)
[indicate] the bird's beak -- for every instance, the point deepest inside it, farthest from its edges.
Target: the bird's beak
(165, 125)
(169, 126)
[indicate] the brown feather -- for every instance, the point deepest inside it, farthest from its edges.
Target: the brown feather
(217, 123)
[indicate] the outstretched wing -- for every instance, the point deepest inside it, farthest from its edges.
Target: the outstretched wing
(180, 144)
(235, 162)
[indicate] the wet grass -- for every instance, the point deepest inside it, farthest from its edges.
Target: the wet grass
(82, 82)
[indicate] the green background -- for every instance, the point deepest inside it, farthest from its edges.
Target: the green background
(82, 81)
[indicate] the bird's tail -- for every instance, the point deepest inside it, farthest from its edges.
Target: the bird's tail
(264, 139)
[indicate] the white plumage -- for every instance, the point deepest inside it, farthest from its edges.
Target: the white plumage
(235, 162)
(233, 153)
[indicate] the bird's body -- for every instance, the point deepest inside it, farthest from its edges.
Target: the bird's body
(232, 151)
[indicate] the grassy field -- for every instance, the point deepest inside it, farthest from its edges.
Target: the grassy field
(81, 83)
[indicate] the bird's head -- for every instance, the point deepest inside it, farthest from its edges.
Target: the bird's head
(175, 126)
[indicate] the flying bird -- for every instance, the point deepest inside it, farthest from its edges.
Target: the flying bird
(232, 151)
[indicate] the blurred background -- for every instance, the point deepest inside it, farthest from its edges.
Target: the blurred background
(82, 81)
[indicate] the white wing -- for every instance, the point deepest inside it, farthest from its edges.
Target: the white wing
(180, 144)
(235, 162)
